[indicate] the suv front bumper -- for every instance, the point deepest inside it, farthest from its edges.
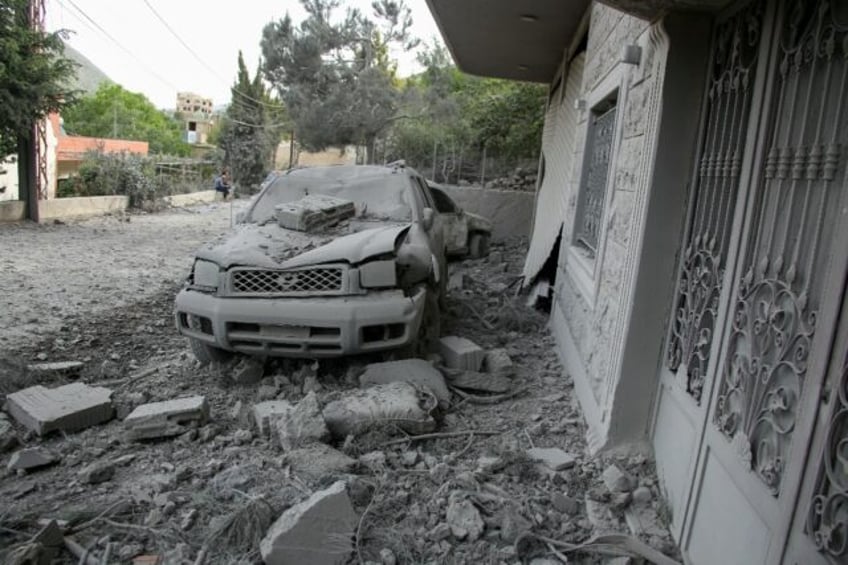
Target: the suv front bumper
(302, 327)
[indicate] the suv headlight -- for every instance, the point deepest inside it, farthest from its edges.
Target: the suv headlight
(378, 274)
(206, 274)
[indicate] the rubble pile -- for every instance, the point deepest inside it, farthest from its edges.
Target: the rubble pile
(474, 455)
(520, 179)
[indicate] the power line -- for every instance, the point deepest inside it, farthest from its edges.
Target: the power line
(113, 40)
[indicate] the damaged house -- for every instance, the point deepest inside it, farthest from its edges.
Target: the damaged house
(693, 196)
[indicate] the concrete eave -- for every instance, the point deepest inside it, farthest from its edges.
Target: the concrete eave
(508, 39)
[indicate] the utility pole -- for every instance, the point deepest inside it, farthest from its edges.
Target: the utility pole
(114, 120)
(36, 164)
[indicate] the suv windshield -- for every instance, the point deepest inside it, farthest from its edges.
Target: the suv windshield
(376, 194)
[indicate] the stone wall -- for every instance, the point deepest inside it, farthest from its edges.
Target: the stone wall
(511, 211)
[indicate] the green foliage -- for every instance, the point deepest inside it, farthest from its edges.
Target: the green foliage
(113, 112)
(334, 74)
(251, 129)
(34, 74)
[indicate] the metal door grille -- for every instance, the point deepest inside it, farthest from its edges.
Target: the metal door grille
(592, 196)
(734, 61)
(786, 258)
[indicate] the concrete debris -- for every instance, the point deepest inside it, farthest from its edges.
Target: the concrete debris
(318, 530)
(497, 361)
(167, 418)
(553, 458)
(565, 504)
(439, 532)
(266, 414)
(313, 211)
(513, 524)
(248, 371)
(490, 464)
(57, 368)
(599, 516)
(301, 425)
(464, 519)
(98, 472)
(642, 495)
(461, 353)
(387, 557)
(31, 458)
(188, 519)
(399, 404)
(311, 384)
(374, 460)
(481, 382)
(643, 521)
(414, 371)
(70, 407)
(617, 480)
(8, 437)
(318, 461)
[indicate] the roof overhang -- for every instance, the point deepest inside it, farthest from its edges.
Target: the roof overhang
(522, 40)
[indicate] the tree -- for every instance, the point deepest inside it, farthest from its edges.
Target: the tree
(113, 112)
(334, 74)
(251, 129)
(34, 74)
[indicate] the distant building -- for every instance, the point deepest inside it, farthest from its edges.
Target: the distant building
(196, 113)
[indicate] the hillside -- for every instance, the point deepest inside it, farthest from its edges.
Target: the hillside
(89, 76)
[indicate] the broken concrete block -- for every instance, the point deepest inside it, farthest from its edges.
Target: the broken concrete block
(97, 472)
(461, 353)
(642, 495)
(456, 281)
(313, 211)
(398, 404)
(318, 460)
(266, 414)
(58, 368)
(414, 371)
(303, 424)
(497, 361)
(31, 458)
(318, 530)
(69, 407)
(464, 520)
(565, 504)
(617, 480)
(249, 370)
(167, 418)
(553, 458)
(8, 437)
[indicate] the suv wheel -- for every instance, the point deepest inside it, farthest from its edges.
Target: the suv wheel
(207, 353)
(478, 245)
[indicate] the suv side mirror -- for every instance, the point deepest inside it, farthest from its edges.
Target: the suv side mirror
(427, 218)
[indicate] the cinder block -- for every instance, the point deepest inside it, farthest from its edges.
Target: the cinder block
(69, 407)
(461, 353)
(167, 418)
(266, 413)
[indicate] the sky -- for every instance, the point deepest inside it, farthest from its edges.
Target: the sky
(127, 41)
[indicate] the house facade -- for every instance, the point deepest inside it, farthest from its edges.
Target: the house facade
(693, 190)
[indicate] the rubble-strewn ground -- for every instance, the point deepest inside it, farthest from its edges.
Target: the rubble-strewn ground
(101, 292)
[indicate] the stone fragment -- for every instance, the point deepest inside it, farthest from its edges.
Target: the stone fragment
(414, 371)
(553, 458)
(439, 532)
(461, 353)
(248, 371)
(318, 460)
(188, 519)
(620, 500)
(513, 524)
(497, 361)
(485, 382)
(456, 281)
(400, 404)
(565, 504)
(31, 458)
(642, 495)
(301, 425)
(464, 519)
(643, 521)
(167, 418)
(98, 472)
(374, 460)
(599, 517)
(490, 463)
(266, 414)
(58, 368)
(8, 437)
(617, 480)
(387, 557)
(409, 458)
(68, 408)
(311, 384)
(267, 392)
(317, 531)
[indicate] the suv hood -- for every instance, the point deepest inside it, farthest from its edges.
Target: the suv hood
(274, 247)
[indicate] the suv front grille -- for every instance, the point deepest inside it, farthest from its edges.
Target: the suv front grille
(292, 282)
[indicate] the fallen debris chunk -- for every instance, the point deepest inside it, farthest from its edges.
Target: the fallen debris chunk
(400, 404)
(303, 424)
(58, 368)
(464, 519)
(167, 418)
(266, 414)
(8, 437)
(497, 361)
(313, 211)
(484, 382)
(318, 461)
(69, 407)
(553, 458)
(97, 472)
(318, 530)
(31, 458)
(461, 353)
(248, 371)
(414, 371)
(617, 480)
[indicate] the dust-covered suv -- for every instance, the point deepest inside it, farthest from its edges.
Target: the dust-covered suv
(326, 261)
